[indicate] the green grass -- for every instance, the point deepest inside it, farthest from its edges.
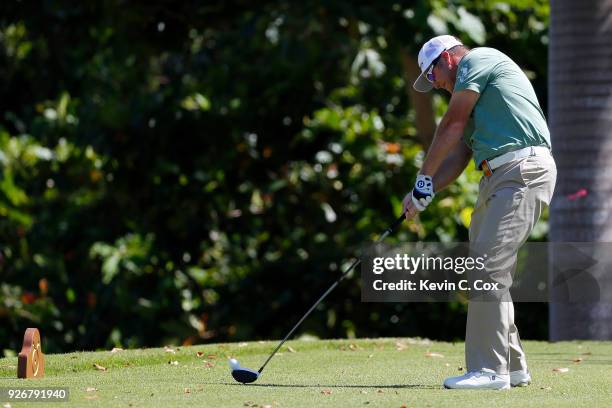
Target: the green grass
(342, 373)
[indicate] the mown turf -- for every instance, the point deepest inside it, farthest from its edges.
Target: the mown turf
(339, 373)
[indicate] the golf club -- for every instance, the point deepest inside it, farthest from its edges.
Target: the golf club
(246, 375)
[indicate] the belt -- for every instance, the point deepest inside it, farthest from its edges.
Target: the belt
(487, 166)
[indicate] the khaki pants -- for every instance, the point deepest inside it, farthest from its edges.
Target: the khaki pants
(508, 207)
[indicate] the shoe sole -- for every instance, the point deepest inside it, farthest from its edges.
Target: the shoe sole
(521, 384)
(477, 388)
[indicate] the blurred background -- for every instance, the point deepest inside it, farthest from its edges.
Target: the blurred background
(191, 172)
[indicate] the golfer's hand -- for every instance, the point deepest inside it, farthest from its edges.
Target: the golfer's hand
(423, 192)
(408, 207)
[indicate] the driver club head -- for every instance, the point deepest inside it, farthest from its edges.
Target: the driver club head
(242, 374)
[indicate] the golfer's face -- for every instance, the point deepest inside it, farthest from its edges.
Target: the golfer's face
(442, 78)
(441, 74)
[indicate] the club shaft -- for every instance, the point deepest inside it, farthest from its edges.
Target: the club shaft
(332, 287)
(327, 292)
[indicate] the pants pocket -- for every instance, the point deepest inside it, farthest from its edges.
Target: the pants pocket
(539, 175)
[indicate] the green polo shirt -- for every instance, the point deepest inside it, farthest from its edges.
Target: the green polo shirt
(507, 115)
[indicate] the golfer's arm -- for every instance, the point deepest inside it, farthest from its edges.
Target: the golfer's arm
(452, 167)
(450, 130)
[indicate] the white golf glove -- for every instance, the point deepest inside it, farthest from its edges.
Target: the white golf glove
(423, 192)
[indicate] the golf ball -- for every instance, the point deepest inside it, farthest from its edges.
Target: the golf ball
(234, 364)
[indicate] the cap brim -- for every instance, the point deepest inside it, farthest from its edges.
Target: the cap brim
(422, 84)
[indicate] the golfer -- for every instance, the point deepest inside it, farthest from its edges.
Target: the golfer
(493, 116)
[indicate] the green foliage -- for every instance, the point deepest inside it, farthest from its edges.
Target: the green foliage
(193, 172)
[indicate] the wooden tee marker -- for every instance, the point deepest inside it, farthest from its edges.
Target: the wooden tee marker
(31, 360)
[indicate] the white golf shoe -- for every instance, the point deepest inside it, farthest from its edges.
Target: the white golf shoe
(520, 378)
(476, 380)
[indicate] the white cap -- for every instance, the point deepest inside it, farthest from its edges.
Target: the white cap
(429, 52)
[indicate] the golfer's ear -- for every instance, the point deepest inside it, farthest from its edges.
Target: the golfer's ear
(461, 105)
(446, 56)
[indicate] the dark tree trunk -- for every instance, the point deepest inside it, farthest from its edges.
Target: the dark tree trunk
(580, 116)
(425, 121)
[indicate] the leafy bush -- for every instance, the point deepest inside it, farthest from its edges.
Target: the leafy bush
(194, 173)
